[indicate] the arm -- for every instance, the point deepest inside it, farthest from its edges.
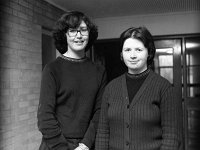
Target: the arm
(89, 137)
(102, 138)
(171, 120)
(47, 122)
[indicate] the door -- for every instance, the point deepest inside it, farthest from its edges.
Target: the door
(191, 91)
(167, 63)
(178, 60)
(48, 48)
(107, 53)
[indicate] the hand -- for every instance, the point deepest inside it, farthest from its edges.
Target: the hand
(78, 148)
(82, 147)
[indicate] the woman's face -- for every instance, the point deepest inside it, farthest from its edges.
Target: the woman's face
(134, 54)
(77, 39)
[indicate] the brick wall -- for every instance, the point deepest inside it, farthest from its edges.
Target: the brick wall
(20, 70)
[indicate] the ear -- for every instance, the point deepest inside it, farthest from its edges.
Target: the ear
(149, 57)
(121, 57)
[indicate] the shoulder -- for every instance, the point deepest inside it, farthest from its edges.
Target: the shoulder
(159, 82)
(52, 66)
(115, 82)
(160, 79)
(94, 68)
(114, 87)
(97, 66)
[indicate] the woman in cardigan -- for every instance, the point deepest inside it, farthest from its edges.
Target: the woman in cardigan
(71, 88)
(139, 111)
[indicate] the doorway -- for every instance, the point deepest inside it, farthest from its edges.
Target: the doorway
(107, 52)
(48, 48)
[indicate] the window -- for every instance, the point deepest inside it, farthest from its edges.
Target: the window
(164, 63)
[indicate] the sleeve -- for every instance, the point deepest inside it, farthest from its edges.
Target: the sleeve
(47, 122)
(102, 138)
(89, 137)
(171, 120)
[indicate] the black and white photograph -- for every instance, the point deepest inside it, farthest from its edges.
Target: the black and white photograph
(100, 75)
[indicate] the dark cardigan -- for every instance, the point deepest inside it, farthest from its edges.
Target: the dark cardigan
(153, 120)
(70, 101)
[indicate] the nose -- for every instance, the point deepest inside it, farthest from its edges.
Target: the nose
(133, 54)
(78, 35)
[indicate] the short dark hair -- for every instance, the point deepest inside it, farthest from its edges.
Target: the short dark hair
(142, 34)
(72, 19)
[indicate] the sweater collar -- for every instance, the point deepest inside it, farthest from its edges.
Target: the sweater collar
(140, 75)
(73, 59)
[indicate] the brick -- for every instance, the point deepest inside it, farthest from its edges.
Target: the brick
(5, 84)
(23, 104)
(23, 3)
(14, 74)
(23, 117)
(5, 91)
(23, 91)
(32, 66)
(32, 109)
(22, 15)
(7, 144)
(6, 9)
(8, 51)
(15, 6)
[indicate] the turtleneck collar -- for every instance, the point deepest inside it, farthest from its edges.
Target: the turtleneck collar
(140, 75)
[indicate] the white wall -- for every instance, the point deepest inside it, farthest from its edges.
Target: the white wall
(162, 24)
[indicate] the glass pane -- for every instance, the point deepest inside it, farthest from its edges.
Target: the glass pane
(193, 74)
(193, 57)
(165, 60)
(163, 63)
(167, 73)
(193, 66)
(193, 81)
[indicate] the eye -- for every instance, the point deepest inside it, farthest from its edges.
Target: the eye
(72, 30)
(139, 49)
(126, 49)
(84, 29)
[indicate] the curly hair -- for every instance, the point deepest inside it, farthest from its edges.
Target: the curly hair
(72, 19)
(142, 34)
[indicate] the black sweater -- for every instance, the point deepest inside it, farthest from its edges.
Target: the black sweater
(70, 100)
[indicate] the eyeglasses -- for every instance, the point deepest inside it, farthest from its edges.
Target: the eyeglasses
(74, 32)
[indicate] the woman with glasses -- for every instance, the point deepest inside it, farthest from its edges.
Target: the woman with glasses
(139, 109)
(71, 88)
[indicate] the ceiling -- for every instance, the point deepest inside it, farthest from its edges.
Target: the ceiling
(116, 8)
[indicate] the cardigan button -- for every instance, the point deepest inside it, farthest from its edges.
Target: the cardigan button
(128, 106)
(127, 143)
(127, 125)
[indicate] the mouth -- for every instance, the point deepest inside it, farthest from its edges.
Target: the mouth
(133, 62)
(79, 42)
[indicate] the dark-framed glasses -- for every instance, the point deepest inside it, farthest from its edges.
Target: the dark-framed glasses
(74, 32)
